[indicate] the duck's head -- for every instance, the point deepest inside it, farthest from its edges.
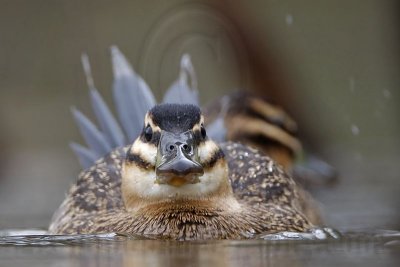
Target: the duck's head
(173, 159)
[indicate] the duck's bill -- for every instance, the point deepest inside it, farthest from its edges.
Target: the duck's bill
(176, 160)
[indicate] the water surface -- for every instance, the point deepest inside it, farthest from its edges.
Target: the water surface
(373, 248)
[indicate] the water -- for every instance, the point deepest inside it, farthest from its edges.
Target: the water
(373, 248)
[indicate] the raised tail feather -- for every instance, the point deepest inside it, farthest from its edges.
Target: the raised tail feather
(132, 99)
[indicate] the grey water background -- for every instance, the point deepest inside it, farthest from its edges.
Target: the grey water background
(333, 65)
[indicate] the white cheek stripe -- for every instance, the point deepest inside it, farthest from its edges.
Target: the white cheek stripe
(147, 151)
(206, 149)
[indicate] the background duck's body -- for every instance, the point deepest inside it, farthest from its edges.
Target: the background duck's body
(256, 122)
(252, 120)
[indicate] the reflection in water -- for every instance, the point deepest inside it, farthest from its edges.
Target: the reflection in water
(370, 249)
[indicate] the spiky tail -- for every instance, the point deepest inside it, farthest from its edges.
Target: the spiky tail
(132, 99)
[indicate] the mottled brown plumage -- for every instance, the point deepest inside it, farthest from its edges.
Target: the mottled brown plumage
(270, 201)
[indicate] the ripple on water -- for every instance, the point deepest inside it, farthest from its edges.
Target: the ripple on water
(41, 238)
(34, 237)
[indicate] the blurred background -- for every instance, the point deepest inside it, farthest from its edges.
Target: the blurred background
(333, 65)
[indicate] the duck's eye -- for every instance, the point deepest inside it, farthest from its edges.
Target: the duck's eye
(203, 132)
(148, 133)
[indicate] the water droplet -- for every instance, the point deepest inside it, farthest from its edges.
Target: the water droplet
(289, 19)
(355, 130)
(387, 94)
